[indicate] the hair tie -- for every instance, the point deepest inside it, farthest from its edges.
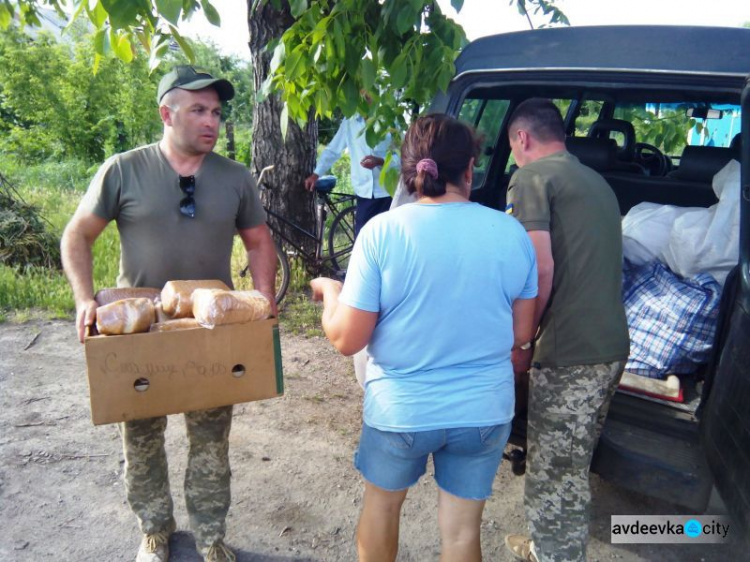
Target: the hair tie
(429, 166)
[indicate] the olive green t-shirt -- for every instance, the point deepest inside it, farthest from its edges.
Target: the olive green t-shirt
(141, 192)
(585, 320)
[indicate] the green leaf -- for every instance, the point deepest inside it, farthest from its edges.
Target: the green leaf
(294, 104)
(5, 17)
(444, 78)
(352, 60)
(405, 20)
(95, 66)
(97, 15)
(349, 96)
(144, 39)
(76, 13)
(321, 103)
(368, 74)
(318, 53)
(389, 179)
(457, 4)
(321, 29)
(294, 63)
(183, 43)
(284, 121)
(170, 10)
(212, 15)
(398, 71)
(121, 46)
(297, 7)
(121, 13)
(330, 49)
(101, 42)
(371, 137)
(338, 37)
(278, 56)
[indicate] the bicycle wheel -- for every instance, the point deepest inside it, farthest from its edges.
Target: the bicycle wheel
(341, 240)
(244, 282)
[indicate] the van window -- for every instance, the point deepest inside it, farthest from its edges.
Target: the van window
(672, 126)
(486, 116)
(589, 112)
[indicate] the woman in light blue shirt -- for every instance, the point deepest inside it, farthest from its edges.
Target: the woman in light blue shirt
(439, 291)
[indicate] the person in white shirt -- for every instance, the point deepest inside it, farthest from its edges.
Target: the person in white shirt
(366, 164)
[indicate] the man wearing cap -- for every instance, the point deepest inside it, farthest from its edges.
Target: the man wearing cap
(177, 206)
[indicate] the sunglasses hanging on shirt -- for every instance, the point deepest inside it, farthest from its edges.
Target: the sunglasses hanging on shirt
(187, 204)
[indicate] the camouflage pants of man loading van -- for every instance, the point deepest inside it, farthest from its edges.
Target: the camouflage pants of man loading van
(567, 409)
(207, 477)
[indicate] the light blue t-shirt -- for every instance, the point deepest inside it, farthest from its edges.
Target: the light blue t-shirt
(443, 279)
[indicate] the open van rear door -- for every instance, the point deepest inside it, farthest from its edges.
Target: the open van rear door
(725, 416)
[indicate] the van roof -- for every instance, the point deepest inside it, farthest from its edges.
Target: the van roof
(660, 48)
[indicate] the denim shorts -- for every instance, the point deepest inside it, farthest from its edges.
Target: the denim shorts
(466, 459)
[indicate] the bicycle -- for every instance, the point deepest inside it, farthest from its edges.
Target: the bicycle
(340, 239)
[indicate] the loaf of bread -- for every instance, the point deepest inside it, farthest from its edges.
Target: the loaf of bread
(178, 324)
(159, 314)
(176, 296)
(106, 296)
(126, 316)
(215, 307)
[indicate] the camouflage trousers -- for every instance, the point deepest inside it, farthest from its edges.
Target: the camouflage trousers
(567, 409)
(207, 494)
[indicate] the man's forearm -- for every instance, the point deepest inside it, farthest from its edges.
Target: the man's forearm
(262, 262)
(543, 295)
(77, 263)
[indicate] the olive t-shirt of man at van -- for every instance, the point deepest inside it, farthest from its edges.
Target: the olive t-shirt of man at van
(585, 321)
(141, 192)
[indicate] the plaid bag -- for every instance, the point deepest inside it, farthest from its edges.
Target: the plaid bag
(672, 321)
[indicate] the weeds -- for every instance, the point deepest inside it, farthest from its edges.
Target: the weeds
(25, 237)
(301, 316)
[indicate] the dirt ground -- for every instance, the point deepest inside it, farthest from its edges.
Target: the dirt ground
(296, 493)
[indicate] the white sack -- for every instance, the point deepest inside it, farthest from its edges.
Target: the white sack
(707, 240)
(646, 230)
(689, 240)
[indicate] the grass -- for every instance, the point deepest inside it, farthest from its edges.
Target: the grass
(56, 189)
(300, 316)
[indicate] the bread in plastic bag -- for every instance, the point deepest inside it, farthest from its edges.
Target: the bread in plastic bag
(126, 316)
(177, 324)
(176, 296)
(215, 307)
(110, 295)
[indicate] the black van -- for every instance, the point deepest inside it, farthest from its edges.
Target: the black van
(638, 104)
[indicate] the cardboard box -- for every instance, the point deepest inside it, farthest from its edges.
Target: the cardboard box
(145, 375)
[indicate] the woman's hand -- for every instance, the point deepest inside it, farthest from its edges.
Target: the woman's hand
(323, 285)
(348, 329)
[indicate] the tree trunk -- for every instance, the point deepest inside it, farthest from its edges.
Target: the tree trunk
(293, 159)
(231, 153)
